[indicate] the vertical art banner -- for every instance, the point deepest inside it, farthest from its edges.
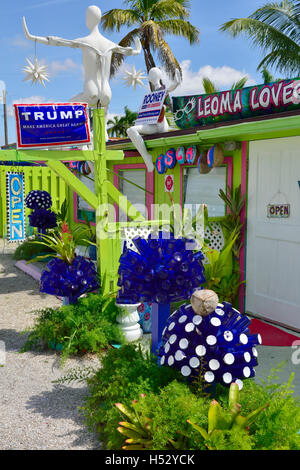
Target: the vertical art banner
(15, 207)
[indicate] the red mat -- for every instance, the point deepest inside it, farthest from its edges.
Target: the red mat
(271, 335)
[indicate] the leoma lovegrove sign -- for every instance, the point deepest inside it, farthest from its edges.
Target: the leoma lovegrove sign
(15, 206)
(52, 124)
(201, 110)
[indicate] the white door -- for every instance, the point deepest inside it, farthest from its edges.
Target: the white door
(273, 244)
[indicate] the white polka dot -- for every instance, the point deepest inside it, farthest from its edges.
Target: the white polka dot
(220, 305)
(243, 338)
(165, 329)
(167, 348)
(179, 356)
(227, 378)
(228, 359)
(182, 319)
(246, 372)
(200, 350)
(183, 344)
(259, 339)
(209, 377)
(211, 340)
(171, 360)
(239, 383)
(197, 320)
(214, 364)
(172, 339)
(247, 357)
(215, 321)
(194, 362)
(220, 312)
(228, 336)
(254, 352)
(189, 327)
(186, 371)
(162, 361)
(171, 326)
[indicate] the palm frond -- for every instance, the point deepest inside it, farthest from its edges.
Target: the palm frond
(239, 83)
(180, 28)
(168, 59)
(118, 59)
(275, 27)
(116, 18)
(209, 86)
(169, 9)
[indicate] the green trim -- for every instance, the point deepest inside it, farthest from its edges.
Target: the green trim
(255, 130)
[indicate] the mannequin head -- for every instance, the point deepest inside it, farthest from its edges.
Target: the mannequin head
(93, 16)
(155, 76)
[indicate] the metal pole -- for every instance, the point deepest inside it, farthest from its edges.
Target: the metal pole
(5, 117)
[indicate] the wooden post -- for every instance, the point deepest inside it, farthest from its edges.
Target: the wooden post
(104, 245)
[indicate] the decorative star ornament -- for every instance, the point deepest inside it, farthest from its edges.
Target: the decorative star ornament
(134, 78)
(36, 72)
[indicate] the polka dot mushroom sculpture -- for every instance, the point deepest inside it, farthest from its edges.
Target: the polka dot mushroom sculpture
(210, 339)
(38, 200)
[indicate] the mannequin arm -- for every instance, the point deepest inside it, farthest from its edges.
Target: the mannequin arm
(126, 50)
(176, 83)
(48, 40)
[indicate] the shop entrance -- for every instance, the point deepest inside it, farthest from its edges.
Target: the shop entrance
(273, 231)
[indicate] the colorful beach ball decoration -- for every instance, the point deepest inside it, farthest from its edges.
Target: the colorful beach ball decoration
(43, 219)
(215, 156)
(180, 155)
(69, 280)
(38, 200)
(219, 346)
(170, 158)
(191, 154)
(160, 164)
(165, 270)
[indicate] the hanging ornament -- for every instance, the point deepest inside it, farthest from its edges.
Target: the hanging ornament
(36, 71)
(134, 77)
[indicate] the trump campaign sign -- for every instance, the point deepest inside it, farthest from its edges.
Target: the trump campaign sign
(52, 124)
(152, 105)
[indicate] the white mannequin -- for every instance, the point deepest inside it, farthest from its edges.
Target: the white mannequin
(135, 133)
(96, 57)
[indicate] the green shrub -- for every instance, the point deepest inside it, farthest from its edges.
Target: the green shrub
(168, 402)
(88, 326)
(29, 250)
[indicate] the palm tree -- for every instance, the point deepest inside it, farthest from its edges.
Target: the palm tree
(210, 87)
(119, 125)
(151, 20)
(275, 27)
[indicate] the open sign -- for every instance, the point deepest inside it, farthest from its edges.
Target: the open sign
(279, 211)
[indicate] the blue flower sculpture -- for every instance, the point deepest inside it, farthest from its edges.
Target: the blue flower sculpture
(43, 219)
(38, 200)
(218, 347)
(165, 270)
(66, 280)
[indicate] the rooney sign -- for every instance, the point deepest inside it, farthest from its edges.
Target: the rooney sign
(52, 124)
(199, 110)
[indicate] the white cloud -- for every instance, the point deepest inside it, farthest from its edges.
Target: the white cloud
(223, 77)
(2, 87)
(68, 65)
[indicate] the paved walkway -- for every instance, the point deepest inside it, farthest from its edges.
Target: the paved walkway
(35, 413)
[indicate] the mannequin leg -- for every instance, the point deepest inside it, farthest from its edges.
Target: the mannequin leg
(136, 138)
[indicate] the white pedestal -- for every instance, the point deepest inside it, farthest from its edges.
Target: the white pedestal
(129, 322)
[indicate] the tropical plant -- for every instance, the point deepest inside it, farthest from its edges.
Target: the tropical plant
(88, 326)
(62, 214)
(210, 87)
(222, 422)
(29, 249)
(234, 202)
(219, 263)
(275, 28)
(120, 125)
(151, 20)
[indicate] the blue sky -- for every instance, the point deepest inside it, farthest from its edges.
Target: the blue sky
(217, 55)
